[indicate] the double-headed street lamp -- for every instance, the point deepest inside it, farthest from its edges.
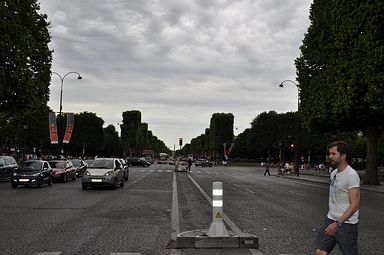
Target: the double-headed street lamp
(298, 90)
(61, 86)
(61, 99)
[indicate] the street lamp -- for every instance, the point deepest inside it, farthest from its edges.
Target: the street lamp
(61, 86)
(298, 90)
(61, 98)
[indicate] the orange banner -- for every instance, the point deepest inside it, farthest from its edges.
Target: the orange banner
(53, 128)
(69, 128)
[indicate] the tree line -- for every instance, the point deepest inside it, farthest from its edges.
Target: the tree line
(340, 83)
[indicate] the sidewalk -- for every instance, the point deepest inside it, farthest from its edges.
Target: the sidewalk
(324, 178)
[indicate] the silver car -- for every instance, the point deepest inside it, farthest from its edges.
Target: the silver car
(104, 172)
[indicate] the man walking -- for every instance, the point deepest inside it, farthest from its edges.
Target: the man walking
(340, 225)
(267, 169)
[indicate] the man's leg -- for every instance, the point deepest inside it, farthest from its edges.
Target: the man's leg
(346, 237)
(324, 244)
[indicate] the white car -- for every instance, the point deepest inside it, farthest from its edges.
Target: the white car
(104, 172)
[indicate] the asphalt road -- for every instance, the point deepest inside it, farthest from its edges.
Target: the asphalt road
(143, 217)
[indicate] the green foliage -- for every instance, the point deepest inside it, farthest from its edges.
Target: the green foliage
(87, 132)
(111, 143)
(25, 59)
(221, 128)
(130, 130)
(340, 69)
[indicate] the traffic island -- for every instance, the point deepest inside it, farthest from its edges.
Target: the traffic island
(200, 239)
(217, 236)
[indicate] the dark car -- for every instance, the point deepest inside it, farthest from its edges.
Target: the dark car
(32, 172)
(7, 165)
(203, 162)
(80, 166)
(62, 170)
(138, 162)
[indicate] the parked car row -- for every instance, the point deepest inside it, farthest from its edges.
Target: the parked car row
(100, 172)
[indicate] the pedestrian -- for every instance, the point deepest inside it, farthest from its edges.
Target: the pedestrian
(267, 169)
(189, 160)
(340, 225)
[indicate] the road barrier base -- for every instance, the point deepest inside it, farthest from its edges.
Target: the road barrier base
(200, 239)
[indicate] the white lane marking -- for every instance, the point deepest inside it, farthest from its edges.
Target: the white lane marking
(125, 253)
(175, 216)
(296, 193)
(251, 191)
(48, 253)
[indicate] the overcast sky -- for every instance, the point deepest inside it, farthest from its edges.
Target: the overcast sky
(176, 61)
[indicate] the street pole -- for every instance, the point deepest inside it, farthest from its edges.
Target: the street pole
(298, 90)
(60, 144)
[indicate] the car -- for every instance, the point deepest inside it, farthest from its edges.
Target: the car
(80, 166)
(138, 162)
(32, 172)
(203, 162)
(103, 172)
(7, 165)
(63, 170)
(125, 168)
(181, 166)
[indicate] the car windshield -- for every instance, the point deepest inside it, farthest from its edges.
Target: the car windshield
(102, 163)
(57, 164)
(31, 166)
(76, 163)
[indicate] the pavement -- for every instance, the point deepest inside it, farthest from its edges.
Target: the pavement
(313, 176)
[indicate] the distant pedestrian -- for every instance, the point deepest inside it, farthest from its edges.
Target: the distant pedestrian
(341, 224)
(267, 169)
(189, 161)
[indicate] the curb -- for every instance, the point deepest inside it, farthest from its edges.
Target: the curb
(364, 187)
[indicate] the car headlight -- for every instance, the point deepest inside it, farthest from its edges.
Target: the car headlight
(15, 174)
(87, 173)
(108, 173)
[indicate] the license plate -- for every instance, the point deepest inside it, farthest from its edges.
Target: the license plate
(24, 180)
(97, 180)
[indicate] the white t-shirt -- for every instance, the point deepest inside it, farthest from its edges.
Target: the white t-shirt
(338, 193)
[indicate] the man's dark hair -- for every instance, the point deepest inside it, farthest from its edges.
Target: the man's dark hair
(342, 148)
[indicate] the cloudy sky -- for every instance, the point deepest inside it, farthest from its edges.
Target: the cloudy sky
(176, 61)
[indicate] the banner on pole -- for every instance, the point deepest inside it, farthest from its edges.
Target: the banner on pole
(69, 128)
(53, 128)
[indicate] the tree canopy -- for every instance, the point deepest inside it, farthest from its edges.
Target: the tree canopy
(340, 70)
(25, 59)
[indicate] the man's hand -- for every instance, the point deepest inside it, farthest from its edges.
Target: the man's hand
(331, 229)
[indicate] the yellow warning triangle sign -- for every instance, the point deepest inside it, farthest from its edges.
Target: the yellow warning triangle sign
(218, 215)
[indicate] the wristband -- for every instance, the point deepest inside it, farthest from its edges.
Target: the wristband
(338, 223)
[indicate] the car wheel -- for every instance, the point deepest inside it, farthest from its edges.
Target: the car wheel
(74, 177)
(122, 183)
(41, 183)
(114, 184)
(50, 180)
(65, 178)
(14, 185)
(84, 187)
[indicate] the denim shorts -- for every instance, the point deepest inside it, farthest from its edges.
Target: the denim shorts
(345, 237)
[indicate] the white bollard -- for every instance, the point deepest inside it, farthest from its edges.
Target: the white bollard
(217, 228)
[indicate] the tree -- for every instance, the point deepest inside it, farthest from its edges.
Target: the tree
(111, 142)
(87, 133)
(130, 131)
(25, 59)
(221, 130)
(340, 71)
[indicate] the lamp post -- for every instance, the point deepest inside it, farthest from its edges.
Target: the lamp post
(298, 90)
(61, 86)
(61, 98)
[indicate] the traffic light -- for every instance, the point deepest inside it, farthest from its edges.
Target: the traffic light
(180, 141)
(292, 146)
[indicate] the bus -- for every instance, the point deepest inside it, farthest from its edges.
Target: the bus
(163, 158)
